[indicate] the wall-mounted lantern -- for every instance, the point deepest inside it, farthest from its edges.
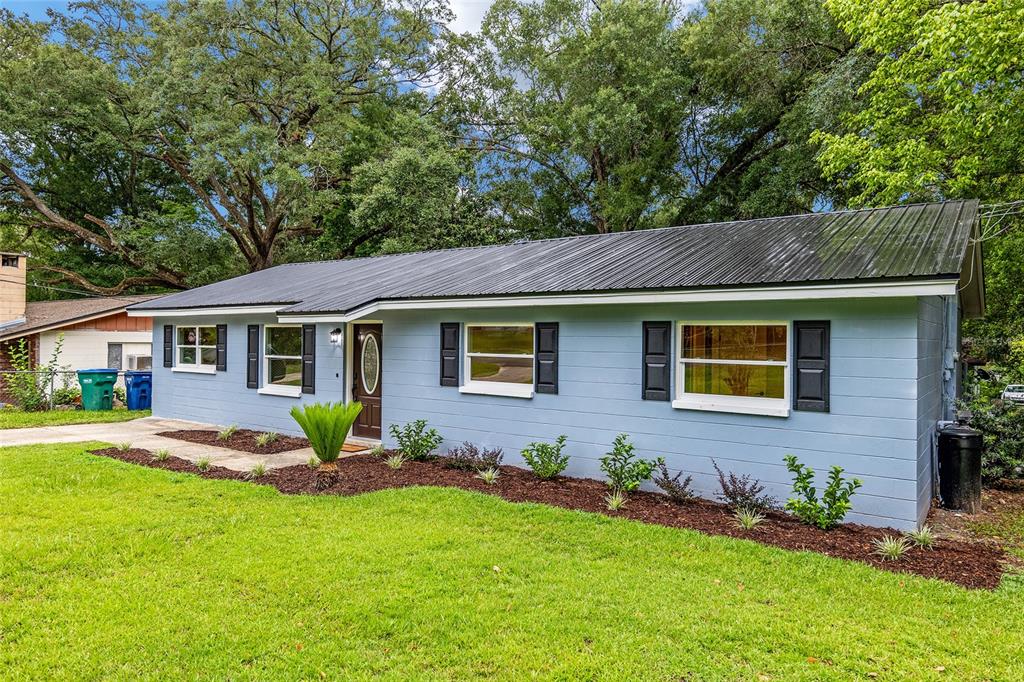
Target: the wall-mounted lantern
(336, 336)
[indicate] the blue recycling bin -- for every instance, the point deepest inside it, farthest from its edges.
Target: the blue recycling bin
(138, 388)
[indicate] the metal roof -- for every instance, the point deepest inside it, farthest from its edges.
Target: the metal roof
(918, 241)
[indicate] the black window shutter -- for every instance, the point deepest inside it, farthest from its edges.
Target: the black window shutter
(811, 366)
(222, 348)
(252, 357)
(309, 358)
(546, 357)
(168, 345)
(449, 353)
(657, 361)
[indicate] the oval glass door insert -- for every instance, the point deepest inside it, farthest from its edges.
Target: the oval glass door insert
(370, 363)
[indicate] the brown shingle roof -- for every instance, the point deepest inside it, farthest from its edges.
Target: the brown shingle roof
(44, 315)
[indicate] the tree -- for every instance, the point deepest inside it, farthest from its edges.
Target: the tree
(245, 113)
(574, 107)
(943, 111)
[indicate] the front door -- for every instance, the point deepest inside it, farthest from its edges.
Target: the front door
(366, 379)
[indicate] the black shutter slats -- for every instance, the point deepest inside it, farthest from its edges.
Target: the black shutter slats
(168, 345)
(811, 366)
(309, 358)
(222, 348)
(546, 357)
(252, 357)
(657, 361)
(449, 354)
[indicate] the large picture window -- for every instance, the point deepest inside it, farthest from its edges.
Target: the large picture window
(197, 347)
(282, 357)
(738, 367)
(499, 358)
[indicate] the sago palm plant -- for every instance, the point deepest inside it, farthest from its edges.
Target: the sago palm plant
(326, 425)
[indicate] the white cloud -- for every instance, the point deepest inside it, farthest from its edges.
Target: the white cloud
(468, 14)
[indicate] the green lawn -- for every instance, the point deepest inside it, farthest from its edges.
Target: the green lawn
(109, 570)
(10, 419)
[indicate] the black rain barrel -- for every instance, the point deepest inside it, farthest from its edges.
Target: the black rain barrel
(960, 468)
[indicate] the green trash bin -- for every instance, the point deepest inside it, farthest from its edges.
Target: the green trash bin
(97, 388)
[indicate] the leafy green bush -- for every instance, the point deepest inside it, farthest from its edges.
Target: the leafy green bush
(468, 457)
(1002, 428)
(835, 501)
(28, 384)
(415, 440)
(326, 425)
(743, 492)
(65, 396)
(546, 459)
(120, 395)
(624, 471)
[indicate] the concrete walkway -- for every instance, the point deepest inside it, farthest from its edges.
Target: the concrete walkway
(141, 433)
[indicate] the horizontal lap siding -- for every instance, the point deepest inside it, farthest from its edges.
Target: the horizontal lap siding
(930, 340)
(223, 399)
(872, 430)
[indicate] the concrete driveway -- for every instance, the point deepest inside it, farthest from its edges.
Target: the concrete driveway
(141, 433)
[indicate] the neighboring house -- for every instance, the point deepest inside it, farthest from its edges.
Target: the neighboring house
(831, 336)
(97, 332)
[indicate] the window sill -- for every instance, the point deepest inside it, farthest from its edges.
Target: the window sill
(283, 391)
(195, 369)
(737, 408)
(506, 390)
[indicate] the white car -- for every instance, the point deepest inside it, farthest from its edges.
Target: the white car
(1014, 393)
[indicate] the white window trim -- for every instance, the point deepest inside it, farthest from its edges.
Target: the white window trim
(498, 388)
(197, 367)
(772, 407)
(273, 389)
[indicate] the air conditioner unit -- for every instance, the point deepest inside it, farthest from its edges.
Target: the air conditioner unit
(140, 362)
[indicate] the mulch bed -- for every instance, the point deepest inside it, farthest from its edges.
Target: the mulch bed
(970, 564)
(242, 439)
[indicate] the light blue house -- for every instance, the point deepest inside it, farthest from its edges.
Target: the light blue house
(831, 336)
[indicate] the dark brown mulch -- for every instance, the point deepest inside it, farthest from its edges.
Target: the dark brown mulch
(242, 439)
(970, 564)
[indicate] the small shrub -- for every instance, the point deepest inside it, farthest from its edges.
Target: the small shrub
(259, 470)
(827, 512)
(468, 457)
(227, 432)
(162, 455)
(677, 491)
(624, 471)
(395, 461)
(615, 500)
(546, 459)
(326, 426)
(890, 547)
(415, 440)
(488, 476)
(66, 396)
(120, 397)
(377, 452)
(265, 439)
(313, 462)
(748, 519)
(923, 537)
(124, 446)
(203, 464)
(743, 492)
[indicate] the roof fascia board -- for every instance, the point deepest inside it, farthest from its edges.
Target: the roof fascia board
(944, 287)
(205, 312)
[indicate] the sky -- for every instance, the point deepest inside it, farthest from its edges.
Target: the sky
(468, 13)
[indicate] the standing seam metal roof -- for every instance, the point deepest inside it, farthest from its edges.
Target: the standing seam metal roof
(900, 242)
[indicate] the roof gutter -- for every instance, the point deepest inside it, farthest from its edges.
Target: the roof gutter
(942, 287)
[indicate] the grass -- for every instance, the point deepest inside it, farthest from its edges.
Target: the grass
(13, 419)
(1007, 527)
(109, 570)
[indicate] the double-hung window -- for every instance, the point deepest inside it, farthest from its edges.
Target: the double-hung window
(734, 367)
(282, 359)
(197, 349)
(499, 359)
